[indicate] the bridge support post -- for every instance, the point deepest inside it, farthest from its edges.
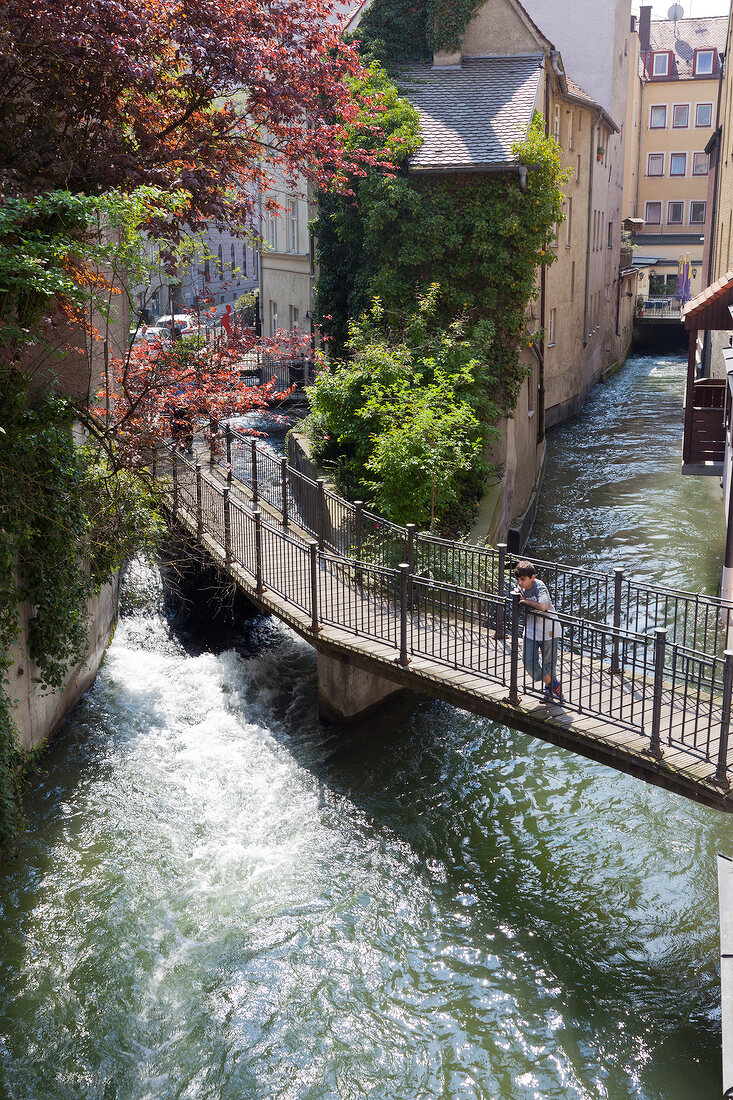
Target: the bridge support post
(174, 460)
(358, 517)
(405, 571)
(721, 772)
(199, 508)
(514, 695)
(618, 580)
(313, 549)
(347, 693)
(655, 740)
(227, 530)
(321, 513)
(258, 551)
(284, 480)
(228, 432)
(500, 586)
(255, 487)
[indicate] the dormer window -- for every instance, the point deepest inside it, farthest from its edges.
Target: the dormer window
(704, 64)
(660, 63)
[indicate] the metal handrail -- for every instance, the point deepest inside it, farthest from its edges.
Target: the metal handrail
(607, 597)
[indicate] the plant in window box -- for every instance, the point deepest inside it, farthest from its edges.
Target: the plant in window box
(600, 152)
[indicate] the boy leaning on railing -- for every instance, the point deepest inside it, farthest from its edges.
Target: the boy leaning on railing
(541, 631)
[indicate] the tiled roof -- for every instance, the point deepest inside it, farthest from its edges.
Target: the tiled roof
(578, 92)
(686, 36)
(471, 115)
(717, 290)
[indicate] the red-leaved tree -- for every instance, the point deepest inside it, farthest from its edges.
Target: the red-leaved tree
(168, 389)
(203, 95)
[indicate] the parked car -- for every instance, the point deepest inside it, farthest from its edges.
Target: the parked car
(158, 332)
(186, 321)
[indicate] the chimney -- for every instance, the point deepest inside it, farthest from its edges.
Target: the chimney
(645, 19)
(443, 60)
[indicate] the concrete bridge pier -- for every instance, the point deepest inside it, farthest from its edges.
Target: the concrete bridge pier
(347, 693)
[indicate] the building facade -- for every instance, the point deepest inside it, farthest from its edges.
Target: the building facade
(584, 302)
(286, 260)
(673, 108)
(214, 270)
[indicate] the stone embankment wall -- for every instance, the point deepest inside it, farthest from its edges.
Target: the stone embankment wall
(40, 712)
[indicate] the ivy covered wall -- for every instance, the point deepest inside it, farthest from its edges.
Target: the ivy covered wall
(471, 243)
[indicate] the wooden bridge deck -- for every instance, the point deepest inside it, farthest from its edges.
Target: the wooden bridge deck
(453, 655)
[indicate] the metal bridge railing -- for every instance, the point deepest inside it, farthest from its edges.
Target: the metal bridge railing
(695, 620)
(671, 695)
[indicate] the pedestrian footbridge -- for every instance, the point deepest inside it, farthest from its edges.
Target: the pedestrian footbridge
(646, 672)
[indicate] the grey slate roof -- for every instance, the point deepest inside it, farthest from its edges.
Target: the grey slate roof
(685, 37)
(470, 116)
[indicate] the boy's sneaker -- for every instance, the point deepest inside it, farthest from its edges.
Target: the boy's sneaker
(557, 694)
(548, 696)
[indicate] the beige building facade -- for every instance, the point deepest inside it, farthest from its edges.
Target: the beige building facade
(584, 302)
(673, 102)
(286, 259)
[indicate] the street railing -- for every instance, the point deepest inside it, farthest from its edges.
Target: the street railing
(669, 694)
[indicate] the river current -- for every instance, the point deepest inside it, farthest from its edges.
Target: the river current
(220, 898)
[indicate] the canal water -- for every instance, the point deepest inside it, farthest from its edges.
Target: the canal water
(221, 899)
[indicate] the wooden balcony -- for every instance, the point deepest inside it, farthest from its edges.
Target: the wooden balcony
(705, 428)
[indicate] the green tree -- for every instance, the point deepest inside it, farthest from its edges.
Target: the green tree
(397, 417)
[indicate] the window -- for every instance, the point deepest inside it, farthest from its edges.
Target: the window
(699, 164)
(658, 118)
(233, 262)
(662, 285)
(653, 213)
(677, 164)
(697, 213)
(553, 242)
(244, 261)
(572, 281)
(660, 64)
(221, 262)
(273, 317)
(207, 269)
(704, 62)
(294, 318)
(655, 164)
(704, 114)
(292, 225)
(556, 125)
(680, 115)
(610, 234)
(675, 213)
(577, 174)
(571, 119)
(551, 327)
(272, 232)
(569, 224)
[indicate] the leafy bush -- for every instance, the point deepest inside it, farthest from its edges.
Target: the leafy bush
(398, 419)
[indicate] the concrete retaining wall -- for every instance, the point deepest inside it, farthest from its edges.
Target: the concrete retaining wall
(40, 712)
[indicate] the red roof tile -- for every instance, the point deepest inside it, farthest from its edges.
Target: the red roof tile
(712, 293)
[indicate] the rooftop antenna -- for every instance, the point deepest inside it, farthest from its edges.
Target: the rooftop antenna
(675, 12)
